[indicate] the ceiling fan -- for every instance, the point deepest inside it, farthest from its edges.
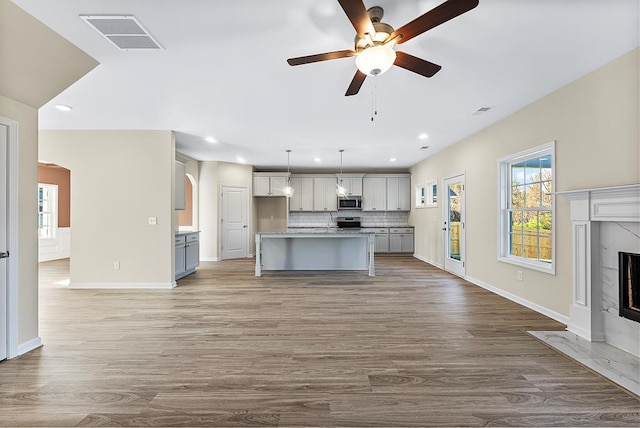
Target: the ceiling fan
(375, 40)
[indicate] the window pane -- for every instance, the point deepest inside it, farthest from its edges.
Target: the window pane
(517, 197)
(546, 193)
(517, 174)
(515, 221)
(533, 196)
(516, 244)
(532, 175)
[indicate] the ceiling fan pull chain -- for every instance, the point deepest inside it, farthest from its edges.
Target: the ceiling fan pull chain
(374, 102)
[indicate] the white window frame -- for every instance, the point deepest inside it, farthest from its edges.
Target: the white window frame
(420, 196)
(53, 214)
(504, 192)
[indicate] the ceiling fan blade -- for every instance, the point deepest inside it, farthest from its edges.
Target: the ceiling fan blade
(415, 64)
(320, 57)
(436, 16)
(356, 83)
(357, 14)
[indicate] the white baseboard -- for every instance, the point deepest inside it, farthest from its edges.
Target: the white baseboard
(120, 285)
(522, 301)
(514, 298)
(29, 345)
(426, 260)
(209, 259)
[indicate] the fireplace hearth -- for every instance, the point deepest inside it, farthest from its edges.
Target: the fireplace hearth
(629, 285)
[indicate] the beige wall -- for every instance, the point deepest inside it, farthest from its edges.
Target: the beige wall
(595, 123)
(25, 85)
(27, 275)
(214, 175)
(118, 180)
(36, 62)
(271, 214)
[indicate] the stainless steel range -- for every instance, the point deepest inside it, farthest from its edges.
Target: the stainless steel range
(348, 222)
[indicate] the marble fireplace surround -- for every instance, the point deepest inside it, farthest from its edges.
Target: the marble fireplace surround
(604, 222)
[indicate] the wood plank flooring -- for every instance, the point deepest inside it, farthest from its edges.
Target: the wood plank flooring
(413, 346)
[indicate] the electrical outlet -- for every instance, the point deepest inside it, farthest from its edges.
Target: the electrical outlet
(153, 221)
(519, 275)
(116, 265)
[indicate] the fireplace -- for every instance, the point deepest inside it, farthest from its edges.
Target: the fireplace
(629, 285)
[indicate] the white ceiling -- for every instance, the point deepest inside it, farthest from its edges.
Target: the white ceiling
(223, 73)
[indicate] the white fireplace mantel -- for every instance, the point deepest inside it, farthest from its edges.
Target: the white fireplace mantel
(589, 208)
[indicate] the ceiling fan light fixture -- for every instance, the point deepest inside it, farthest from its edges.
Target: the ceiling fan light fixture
(375, 60)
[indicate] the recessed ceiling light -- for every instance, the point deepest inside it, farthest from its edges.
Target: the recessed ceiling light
(423, 136)
(241, 159)
(316, 159)
(210, 140)
(63, 107)
(393, 159)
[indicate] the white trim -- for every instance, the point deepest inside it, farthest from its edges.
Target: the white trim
(462, 270)
(57, 248)
(426, 260)
(503, 197)
(521, 301)
(29, 346)
(500, 292)
(121, 285)
(248, 213)
(210, 259)
(12, 237)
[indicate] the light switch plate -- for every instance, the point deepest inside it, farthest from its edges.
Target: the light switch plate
(153, 221)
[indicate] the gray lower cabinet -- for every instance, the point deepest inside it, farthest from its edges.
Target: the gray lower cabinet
(180, 256)
(187, 253)
(401, 240)
(381, 238)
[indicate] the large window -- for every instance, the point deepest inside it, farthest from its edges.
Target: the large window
(527, 209)
(47, 210)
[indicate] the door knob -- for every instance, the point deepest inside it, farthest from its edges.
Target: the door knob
(444, 228)
(4, 254)
(244, 226)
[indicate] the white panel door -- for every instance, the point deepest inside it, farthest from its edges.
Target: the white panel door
(3, 241)
(453, 227)
(234, 223)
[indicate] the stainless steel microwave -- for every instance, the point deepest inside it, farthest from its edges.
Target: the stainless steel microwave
(350, 203)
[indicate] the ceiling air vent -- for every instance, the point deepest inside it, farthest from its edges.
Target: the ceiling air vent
(482, 110)
(124, 31)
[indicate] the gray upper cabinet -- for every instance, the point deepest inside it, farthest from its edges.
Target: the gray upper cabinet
(398, 193)
(353, 183)
(324, 194)
(269, 184)
(374, 193)
(302, 199)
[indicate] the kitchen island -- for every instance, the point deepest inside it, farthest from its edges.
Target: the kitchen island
(315, 250)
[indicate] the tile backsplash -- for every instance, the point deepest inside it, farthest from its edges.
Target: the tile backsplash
(368, 218)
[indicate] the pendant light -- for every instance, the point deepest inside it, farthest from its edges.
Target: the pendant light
(341, 190)
(288, 190)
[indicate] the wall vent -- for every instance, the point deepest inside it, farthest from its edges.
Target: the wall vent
(482, 110)
(124, 31)
(424, 147)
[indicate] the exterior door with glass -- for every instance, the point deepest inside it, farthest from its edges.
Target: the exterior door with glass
(454, 224)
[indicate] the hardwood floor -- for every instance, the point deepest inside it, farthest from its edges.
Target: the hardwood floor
(413, 346)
